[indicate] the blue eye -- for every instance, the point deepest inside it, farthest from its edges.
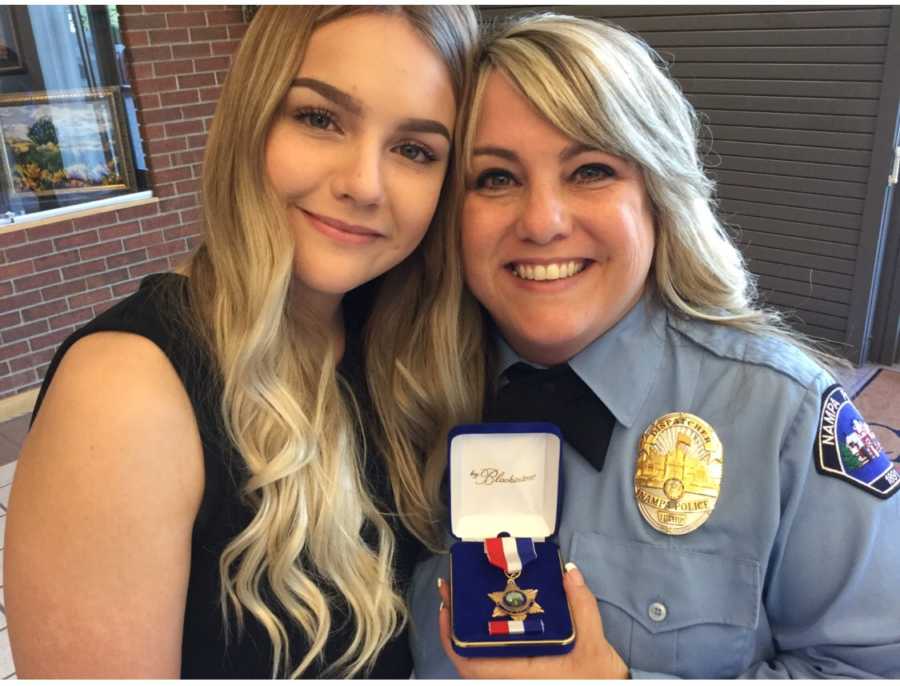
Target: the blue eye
(316, 118)
(588, 173)
(494, 179)
(415, 152)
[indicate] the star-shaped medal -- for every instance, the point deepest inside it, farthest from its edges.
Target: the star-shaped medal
(514, 602)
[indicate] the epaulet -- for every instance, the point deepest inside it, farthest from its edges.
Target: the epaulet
(731, 343)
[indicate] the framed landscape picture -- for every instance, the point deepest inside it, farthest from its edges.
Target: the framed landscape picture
(65, 142)
(10, 54)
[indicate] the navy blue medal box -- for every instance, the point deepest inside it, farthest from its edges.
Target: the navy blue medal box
(505, 478)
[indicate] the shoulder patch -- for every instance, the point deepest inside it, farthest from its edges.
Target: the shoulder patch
(847, 449)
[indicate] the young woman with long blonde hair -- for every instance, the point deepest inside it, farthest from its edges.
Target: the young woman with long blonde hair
(226, 472)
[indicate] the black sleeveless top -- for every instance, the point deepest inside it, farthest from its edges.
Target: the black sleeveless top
(223, 514)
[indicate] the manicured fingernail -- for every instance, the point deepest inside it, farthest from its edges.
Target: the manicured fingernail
(574, 573)
(440, 582)
(441, 608)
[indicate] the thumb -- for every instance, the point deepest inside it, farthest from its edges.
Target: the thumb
(583, 604)
(444, 624)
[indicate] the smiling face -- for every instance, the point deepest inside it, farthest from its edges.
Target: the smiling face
(359, 150)
(557, 237)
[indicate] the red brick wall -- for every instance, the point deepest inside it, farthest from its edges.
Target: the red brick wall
(57, 276)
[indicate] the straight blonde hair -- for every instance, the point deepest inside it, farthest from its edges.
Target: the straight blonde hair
(291, 418)
(605, 87)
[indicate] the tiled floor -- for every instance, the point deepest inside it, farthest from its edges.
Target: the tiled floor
(11, 435)
(7, 670)
(851, 379)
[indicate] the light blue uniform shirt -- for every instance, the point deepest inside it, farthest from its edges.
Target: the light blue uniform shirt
(795, 574)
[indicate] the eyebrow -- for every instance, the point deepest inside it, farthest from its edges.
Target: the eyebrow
(576, 149)
(425, 126)
(355, 107)
(337, 96)
(506, 154)
(502, 153)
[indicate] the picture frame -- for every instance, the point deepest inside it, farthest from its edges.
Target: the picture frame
(65, 143)
(10, 51)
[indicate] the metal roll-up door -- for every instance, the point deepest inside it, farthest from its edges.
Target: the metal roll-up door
(801, 116)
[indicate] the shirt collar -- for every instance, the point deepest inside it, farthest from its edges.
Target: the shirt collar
(620, 366)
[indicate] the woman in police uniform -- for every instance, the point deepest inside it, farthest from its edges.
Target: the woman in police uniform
(733, 517)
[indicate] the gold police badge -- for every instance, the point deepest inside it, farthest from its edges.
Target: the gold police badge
(679, 472)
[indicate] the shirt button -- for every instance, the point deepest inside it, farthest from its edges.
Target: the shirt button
(657, 612)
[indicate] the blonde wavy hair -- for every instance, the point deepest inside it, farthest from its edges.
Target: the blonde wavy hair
(284, 407)
(605, 87)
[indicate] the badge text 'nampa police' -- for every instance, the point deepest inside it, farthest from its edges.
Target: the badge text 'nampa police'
(679, 472)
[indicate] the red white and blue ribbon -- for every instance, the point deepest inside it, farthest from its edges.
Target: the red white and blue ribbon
(502, 627)
(510, 554)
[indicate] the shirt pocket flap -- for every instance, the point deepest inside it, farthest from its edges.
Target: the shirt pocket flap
(665, 589)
